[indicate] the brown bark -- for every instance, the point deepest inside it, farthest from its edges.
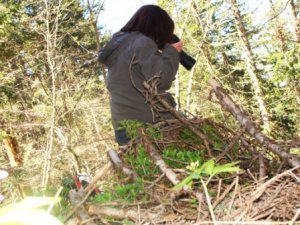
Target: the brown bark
(279, 28)
(11, 146)
(296, 21)
(251, 64)
(228, 104)
(119, 214)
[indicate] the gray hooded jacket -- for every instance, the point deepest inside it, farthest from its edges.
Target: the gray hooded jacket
(125, 101)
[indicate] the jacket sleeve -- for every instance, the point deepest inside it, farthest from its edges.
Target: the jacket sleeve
(153, 62)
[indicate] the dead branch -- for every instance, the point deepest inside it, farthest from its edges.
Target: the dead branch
(181, 118)
(119, 165)
(77, 200)
(230, 146)
(158, 161)
(115, 213)
(261, 189)
(11, 146)
(228, 104)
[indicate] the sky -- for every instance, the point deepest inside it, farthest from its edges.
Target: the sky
(117, 12)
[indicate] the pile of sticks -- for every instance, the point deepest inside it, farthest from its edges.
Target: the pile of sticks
(241, 204)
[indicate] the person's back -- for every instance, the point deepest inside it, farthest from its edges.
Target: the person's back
(133, 57)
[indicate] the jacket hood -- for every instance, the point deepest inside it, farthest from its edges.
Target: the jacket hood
(107, 53)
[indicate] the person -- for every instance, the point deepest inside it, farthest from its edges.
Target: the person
(138, 52)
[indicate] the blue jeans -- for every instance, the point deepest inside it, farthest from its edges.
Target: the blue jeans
(121, 137)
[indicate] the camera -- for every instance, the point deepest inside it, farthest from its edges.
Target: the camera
(185, 60)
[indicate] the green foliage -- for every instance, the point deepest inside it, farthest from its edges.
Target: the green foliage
(132, 127)
(187, 135)
(121, 192)
(209, 168)
(154, 132)
(282, 86)
(141, 162)
(28, 212)
(177, 157)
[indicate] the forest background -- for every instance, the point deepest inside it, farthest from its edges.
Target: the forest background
(53, 102)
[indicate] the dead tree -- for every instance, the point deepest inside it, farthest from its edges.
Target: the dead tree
(228, 104)
(295, 19)
(251, 64)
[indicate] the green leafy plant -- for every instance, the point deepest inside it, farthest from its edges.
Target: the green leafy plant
(209, 168)
(132, 127)
(178, 157)
(121, 192)
(141, 162)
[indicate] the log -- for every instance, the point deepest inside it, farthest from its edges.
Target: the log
(237, 112)
(119, 214)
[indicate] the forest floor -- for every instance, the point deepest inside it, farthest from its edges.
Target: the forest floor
(168, 175)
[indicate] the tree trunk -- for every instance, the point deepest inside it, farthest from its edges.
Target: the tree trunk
(51, 42)
(190, 85)
(177, 85)
(12, 150)
(228, 104)
(279, 28)
(296, 20)
(251, 65)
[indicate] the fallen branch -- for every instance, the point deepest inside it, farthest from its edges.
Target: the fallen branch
(118, 164)
(228, 104)
(181, 118)
(261, 189)
(119, 214)
(77, 200)
(232, 143)
(158, 161)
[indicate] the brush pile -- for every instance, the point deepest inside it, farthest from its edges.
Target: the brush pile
(196, 171)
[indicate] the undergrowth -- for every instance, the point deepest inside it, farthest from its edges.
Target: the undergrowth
(175, 156)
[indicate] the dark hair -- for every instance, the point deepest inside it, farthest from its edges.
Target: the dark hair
(154, 22)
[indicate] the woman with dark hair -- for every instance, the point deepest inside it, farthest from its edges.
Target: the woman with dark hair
(145, 38)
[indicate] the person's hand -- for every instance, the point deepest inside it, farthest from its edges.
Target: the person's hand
(178, 45)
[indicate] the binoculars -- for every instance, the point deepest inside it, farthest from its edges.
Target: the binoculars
(185, 60)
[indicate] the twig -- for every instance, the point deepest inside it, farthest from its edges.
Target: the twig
(261, 189)
(117, 162)
(262, 168)
(172, 177)
(244, 222)
(55, 199)
(115, 213)
(156, 181)
(181, 118)
(218, 200)
(232, 143)
(293, 221)
(209, 202)
(98, 175)
(234, 193)
(87, 191)
(228, 104)
(77, 200)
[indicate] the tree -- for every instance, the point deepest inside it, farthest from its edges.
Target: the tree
(46, 95)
